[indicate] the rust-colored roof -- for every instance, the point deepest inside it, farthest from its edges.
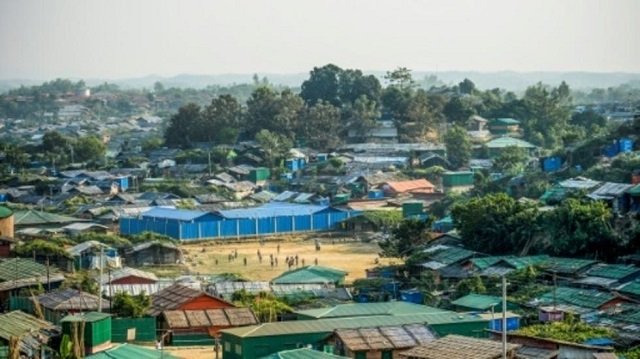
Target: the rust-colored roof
(227, 317)
(385, 338)
(410, 186)
(174, 297)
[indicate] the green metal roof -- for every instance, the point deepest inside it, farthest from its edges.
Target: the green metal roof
(310, 274)
(506, 141)
(505, 121)
(31, 218)
(329, 325)
(478, 301)
(634, 191)
(128, 351)
(632, 288)
(568, 265)
(369, 309)
(613, 271)
(303, 353)
(585, 298)
(523, 262)
(5, 212)
(86, 317)
(486, 262)
(17, 323)
(21, 268)
(451, 255)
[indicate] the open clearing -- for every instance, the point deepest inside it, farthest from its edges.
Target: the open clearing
(338, 252)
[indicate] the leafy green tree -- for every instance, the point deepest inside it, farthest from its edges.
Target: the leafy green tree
(268, 110)
(222, 120)
(55, 142)
(362, 116)
(512, 160)
(401, 78)
(545, 114)
(323, 85)
(466, 87)
(89, 148)
(420, 117)
(470, 285)
(496, 224)
(131, 306)
(458, 110)
(577, 228)
(274, 146)
(183, 125)
(323, 126)
(409, 235)
(458, 145)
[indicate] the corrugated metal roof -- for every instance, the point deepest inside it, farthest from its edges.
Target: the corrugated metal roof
(70, 300)
(459, 347)
(613, 271)
(85, 317)
(408, 186)
(610, 190)
(585, 298)
(128, 351)
(273, 209)
(31, 331)
(579, 183)
(507, 141)
(177, 214)
(127, 272)
(477, 301)
(302, 353)
(369, 309)
(632, 288)
(31, 218)
(385, 338)
(329, 325)
(310, 274)
(182, 319)
(568, 265)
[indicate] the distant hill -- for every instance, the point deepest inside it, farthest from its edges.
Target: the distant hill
(509, 80)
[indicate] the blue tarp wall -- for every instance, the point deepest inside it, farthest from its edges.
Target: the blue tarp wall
(236, 227)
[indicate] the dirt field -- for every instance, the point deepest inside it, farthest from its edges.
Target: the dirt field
(342, 253)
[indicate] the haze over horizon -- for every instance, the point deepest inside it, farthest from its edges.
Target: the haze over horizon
(123, 39)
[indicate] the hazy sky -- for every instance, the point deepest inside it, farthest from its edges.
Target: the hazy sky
(127, 38)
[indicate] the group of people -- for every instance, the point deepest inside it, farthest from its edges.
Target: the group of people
(290, 261)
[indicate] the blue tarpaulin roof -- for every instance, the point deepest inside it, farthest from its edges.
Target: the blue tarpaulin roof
(273, 209)
(177, 214)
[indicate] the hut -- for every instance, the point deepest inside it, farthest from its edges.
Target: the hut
(180, 297)
(58, 304)
(302, 353)
(153, 253)
(18, 273)
(87, 255)
(200, 326)
(34, 334)
(96, 334)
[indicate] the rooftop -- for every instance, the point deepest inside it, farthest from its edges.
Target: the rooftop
(182, 319)
(127, 351)
(478, 301)
(302, 353)
(70, 300)
(369, 309)
(507, 141)
(310, 274)
(173, 297)
(329, 325)
(585, 298)
(613, 271)
(31, 218)
(458, 347)
(385, 338)
(88, 317)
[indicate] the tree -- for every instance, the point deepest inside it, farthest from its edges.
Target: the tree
(131, 306)
(589, 120)
(466, 87)
(55, 142)
(401, 78)
(511, 160)
(496, 224)
(470, 285)
(274, 146)
(182, 126)
(458, 145)
(577, 228)
(420, 117)
(458, 110)
(362, 116)
(89, 148)
(268, 110)
(545, 114)
(323, 85)
(409, 235)
(322, 126)
(221, 120)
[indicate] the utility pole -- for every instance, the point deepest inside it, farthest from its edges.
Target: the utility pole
(100, 279)
(555, 285)
(504, 317)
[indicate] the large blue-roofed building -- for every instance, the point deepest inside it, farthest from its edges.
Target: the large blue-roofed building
(269, 219)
